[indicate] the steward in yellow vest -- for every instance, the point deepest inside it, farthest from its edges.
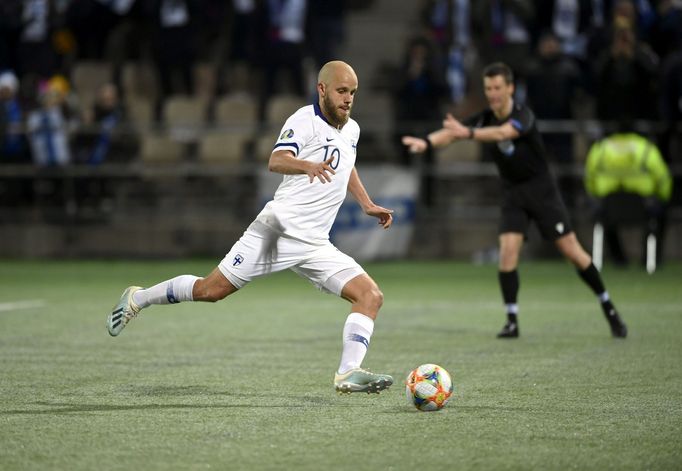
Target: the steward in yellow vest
(627, 162)
(627, 175)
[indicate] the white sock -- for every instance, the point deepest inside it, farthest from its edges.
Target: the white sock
(356, 334)
(170, 291)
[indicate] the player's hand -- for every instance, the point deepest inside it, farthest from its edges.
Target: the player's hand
(456, 129)
(416, 145)
(385, 215)
(322, 171)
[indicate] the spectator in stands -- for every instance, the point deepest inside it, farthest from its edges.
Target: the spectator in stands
(553, 66)
(569, 22)
(618, 167)
(27, 27)
(240, 55)
(420, 90)
(90, 22)
(242, 41)
(48, 127)
(449, 24)
(12, 141)
(283, 35)
(105, 138)
(35, 53)
(326, 25)
(503, 32)
(626, 77)
(174, 36)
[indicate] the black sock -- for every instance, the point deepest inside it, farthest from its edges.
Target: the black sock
(592, 278)
(509, 284)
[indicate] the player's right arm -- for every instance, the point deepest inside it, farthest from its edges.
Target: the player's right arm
(284, 162)
(439, 138)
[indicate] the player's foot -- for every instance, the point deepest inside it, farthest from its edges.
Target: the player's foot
(509, 331)
(359, 380)
(123, 312)
(618, 327)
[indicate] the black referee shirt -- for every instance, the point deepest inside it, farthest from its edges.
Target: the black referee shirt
(520, 159)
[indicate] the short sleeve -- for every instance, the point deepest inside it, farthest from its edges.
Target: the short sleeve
(295, 133)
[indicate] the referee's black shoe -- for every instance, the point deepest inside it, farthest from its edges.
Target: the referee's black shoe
(618, 327)
(509, 331)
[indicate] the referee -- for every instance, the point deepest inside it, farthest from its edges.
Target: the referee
(510, 136)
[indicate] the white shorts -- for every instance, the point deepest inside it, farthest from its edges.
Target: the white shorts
(261, 251)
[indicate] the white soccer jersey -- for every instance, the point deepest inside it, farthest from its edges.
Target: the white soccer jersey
(307, 210)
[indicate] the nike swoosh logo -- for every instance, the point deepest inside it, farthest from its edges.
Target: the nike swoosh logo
(330, 139)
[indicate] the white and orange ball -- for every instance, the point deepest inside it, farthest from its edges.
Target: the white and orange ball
(428, 387)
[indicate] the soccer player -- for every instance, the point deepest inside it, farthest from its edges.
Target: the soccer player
(316, 152)
(509, 135)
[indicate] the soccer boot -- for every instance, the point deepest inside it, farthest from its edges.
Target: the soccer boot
(359, 380)
(123, 312)
(509, 331)
(618, 327)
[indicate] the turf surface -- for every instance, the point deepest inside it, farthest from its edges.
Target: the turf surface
(246, 383)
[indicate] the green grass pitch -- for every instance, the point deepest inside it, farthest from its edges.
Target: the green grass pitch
(247, 383)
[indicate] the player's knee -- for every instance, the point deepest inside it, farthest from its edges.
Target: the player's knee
(373, 298)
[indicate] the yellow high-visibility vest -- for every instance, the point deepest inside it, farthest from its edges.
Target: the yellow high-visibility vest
(627, 162)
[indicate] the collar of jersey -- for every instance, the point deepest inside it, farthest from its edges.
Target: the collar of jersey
(318, 112)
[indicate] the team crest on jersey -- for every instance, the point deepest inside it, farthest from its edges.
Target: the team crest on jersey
(288, 134)
(559, 227)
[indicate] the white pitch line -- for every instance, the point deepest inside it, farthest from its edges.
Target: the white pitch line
(16, 305)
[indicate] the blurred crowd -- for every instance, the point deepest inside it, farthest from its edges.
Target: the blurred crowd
(42, 43)
(610, 60)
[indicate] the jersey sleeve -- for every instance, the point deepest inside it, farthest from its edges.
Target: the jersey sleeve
(295, 133)
(522, 119)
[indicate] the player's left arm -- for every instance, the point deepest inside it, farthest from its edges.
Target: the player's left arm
(357, 189)
(503, 132)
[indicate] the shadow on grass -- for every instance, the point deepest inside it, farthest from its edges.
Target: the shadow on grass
(273, 402)
(65, 408)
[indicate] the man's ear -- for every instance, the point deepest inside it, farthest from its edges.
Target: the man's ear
(322, 90)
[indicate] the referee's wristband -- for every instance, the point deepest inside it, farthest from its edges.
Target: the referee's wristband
(429, 144)
(471, 132)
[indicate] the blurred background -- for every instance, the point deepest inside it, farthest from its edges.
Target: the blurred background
(142, 128)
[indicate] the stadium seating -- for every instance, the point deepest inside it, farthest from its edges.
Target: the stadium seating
(161, 149)
(223, 147)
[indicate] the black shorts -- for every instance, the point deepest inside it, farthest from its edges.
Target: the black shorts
(536, 200)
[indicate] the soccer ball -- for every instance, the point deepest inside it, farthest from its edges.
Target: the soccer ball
(428, 387)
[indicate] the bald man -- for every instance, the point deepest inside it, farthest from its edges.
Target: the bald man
(315, 152)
